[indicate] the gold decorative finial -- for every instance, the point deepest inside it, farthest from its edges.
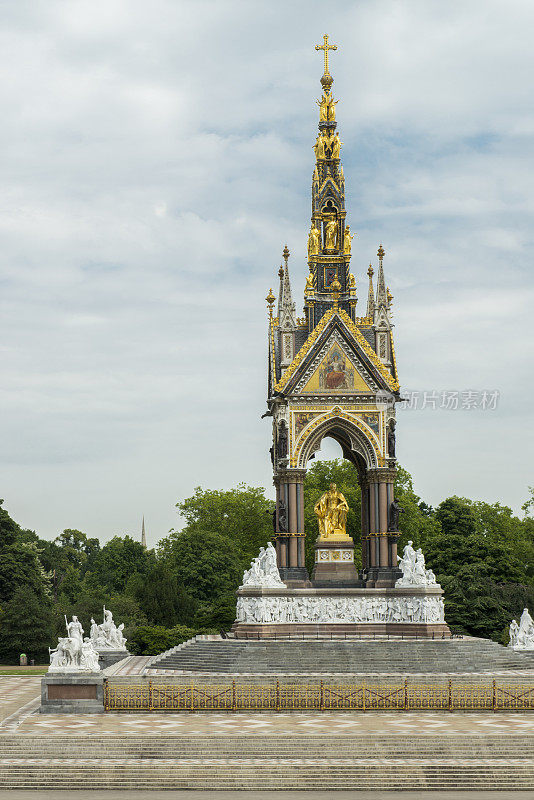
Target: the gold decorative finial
(336, 290)
(381, 253)
(270, 301)
(370, 271)
(326, 47)
(285, 253)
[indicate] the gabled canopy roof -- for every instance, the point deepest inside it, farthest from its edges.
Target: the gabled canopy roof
(315, 342)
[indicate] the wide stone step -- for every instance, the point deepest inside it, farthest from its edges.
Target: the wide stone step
(227, 656)
(361, 747)
(375, 774)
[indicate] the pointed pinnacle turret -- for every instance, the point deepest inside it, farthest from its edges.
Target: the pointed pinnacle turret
(381, 294)
(371, 294)
(286, 307)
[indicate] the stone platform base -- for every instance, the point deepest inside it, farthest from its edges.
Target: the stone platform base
(328, 630)
(68, 693)
(339, 611)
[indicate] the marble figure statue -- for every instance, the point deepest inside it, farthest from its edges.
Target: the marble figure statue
(522, 634)
(74, 653)
(263, 572)
(107, 636)
(414, 571)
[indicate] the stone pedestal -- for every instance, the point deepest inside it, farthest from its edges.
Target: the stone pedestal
(294, 577)
(72, 693)
(334, 563)
(416, 611)
(107, 657)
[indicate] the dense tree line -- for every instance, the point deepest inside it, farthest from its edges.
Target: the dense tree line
(482, 554)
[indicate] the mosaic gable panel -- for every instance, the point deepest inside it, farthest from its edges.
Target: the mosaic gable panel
(336, 371)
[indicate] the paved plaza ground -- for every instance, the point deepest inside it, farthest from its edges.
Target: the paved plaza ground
(20, 718)
(17, 794)
(19, 701)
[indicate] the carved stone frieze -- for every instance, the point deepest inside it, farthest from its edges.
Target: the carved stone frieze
(320, 609)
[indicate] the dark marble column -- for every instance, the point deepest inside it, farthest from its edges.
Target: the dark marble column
(292, 567)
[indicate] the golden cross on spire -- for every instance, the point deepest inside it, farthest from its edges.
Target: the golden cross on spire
(326, 47)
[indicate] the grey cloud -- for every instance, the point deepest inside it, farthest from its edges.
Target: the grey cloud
(157, 157)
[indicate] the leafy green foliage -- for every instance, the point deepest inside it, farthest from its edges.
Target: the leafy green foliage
(162, 598)
(119, 559)
(150, 640)
(26, 626)
(417, 522)
(9, 530)
(20, 566)
(206, 564)
(243, 515)
(482, 554)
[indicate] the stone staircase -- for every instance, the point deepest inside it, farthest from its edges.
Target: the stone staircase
(351, 656)
(393, 762)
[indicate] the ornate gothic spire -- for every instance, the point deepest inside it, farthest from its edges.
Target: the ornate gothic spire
(330, 239)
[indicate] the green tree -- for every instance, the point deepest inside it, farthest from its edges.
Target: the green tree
(20, 568)
(456, 517)
(217, 615)
(71, 584)
(26, 626)
(417, 522)
(243, 515)
(9, 530)
(75, 548)
(150, 640)
(116, 562)
(207, 564)
(161, 597)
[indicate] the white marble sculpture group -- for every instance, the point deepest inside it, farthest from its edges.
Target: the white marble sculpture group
(522, 634)
(74, 653)
(107, 636)
(263, 572)
(414, 571)
(319, 609)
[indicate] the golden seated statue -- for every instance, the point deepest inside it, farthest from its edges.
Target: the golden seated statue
(331, 510)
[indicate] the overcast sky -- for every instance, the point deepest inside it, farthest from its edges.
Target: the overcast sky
(156, 157)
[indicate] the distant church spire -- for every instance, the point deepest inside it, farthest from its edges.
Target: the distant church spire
(143, 534)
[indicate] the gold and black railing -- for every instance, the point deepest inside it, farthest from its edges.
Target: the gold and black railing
(321, 696)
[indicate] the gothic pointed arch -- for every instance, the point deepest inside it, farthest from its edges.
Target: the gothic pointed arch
(358, 442)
